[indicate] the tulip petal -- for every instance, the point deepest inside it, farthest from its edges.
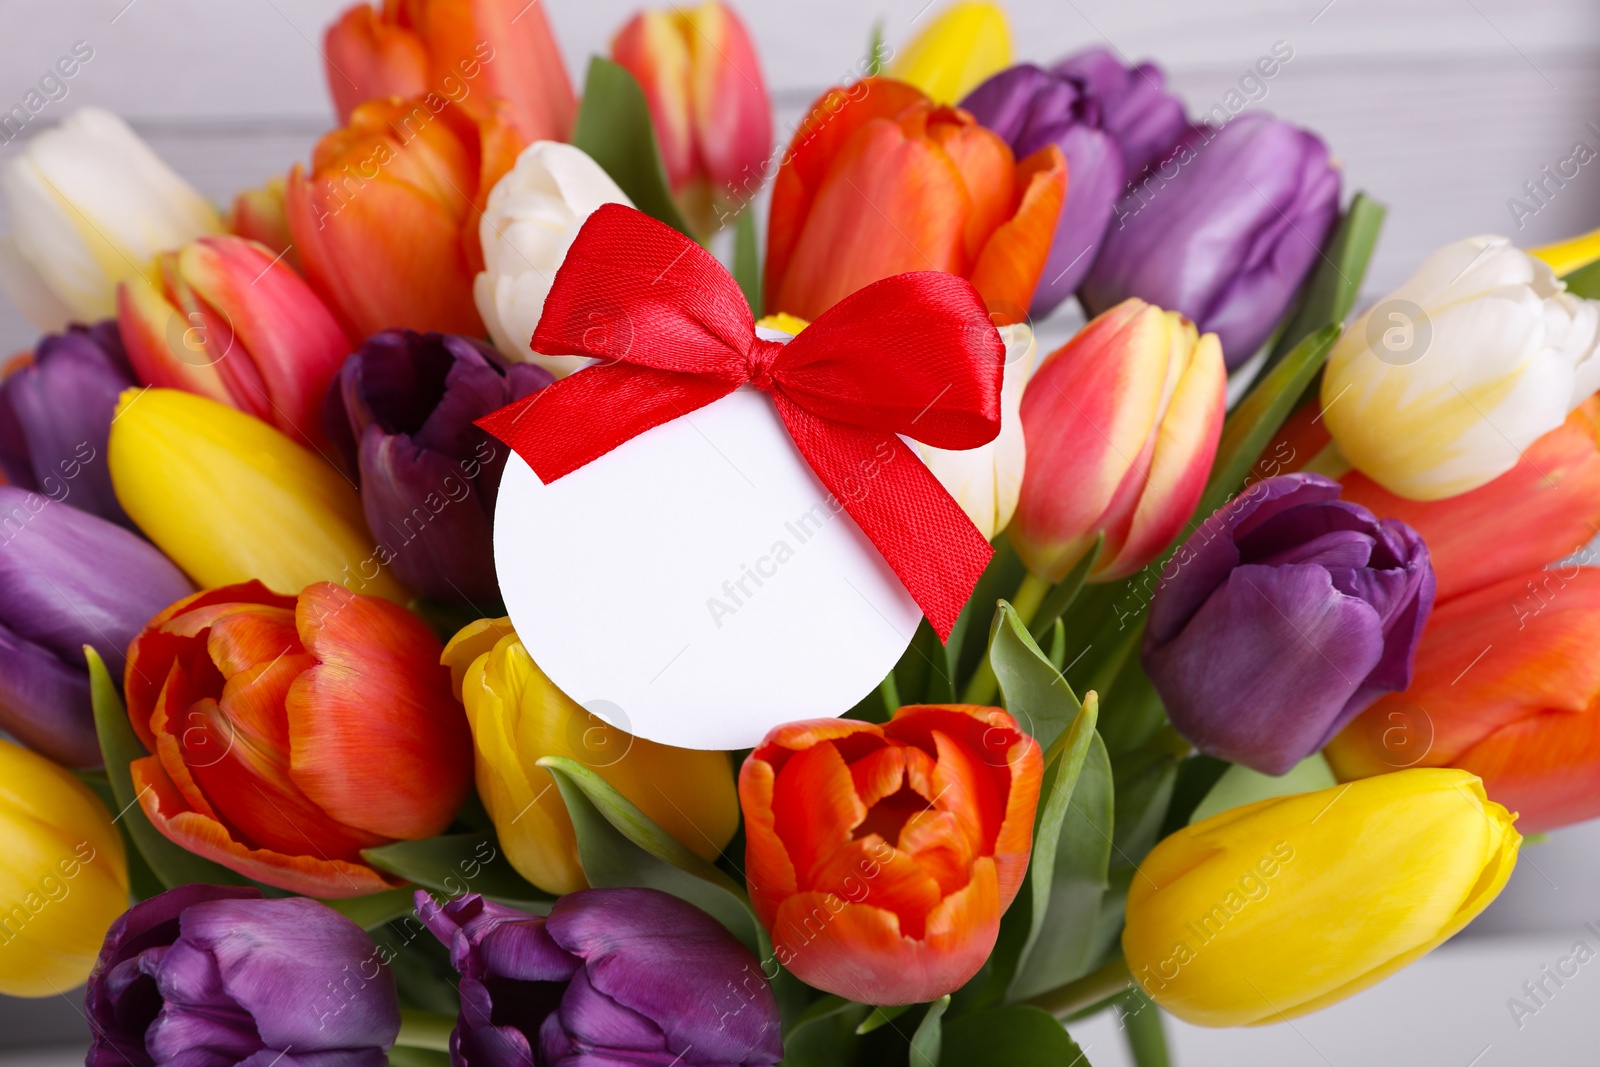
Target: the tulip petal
(368, 58)
(815, 807)
(206, 837)
(1009, 267)
(377, 677)
(45, 704)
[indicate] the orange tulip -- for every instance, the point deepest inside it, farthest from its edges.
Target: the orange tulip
(467, 51)
(387, 219)
(1507, 686)
(1542, 510)
(258, 214)
(880, 858)
(289, 733)
(879, 180)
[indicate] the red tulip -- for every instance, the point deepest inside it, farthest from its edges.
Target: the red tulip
(470, 52)
(879, 180)
(1507, 686)
(1121, 425)
(387, 220)
(880, 858)
(708, 100)
(226, 318)
(289, 733)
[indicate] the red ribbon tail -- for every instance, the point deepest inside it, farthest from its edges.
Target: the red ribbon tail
(921, 532)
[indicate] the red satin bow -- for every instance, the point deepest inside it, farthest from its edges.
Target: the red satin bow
(915, 354)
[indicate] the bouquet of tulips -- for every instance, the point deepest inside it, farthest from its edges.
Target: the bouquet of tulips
(1278, 631)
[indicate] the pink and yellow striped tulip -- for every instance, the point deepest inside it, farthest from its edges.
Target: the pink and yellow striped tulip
(1121, 424)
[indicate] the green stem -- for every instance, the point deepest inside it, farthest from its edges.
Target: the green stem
(1330, 462)
(1091, 989)
(425, 1029)
(1025, 602)
(1147, 1038)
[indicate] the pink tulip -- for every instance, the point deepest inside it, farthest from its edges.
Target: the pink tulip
(1121, 424)
(708, 101)
(225, 318)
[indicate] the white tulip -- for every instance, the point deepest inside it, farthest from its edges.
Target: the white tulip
(986, 480)
(532, 217)
(1440, 387)
(90, 205)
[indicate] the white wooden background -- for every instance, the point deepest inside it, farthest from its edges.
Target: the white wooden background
(1440, 108)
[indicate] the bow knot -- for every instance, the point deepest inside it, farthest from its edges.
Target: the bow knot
(759, 361)
(852, 385)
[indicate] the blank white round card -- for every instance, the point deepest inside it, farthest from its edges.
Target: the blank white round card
(698, 585)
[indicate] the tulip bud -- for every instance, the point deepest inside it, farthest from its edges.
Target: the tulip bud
(987, 480)
(64, 878)
(260, 215)
(1364, 878)
(1224, 230)
(1545, 508)
(1507, 686)
(55, 418)
(532, 217)
(910, 838)
(1108, 120)
(1282, 618)
(624, 976)
(90, 203)
(230, 499)
(386, 220)
(290, 733)
(1122, 423)
(217, 972)
(1441, 386)
(401, 415)
(68, 579)
(224, 318)
(965, 44)
(518, 717)
(708, 103)
(479, 54)
(879, 181)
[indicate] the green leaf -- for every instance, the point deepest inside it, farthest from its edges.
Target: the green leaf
(881, 1017)
(825, 1034)
(1585, 281)
(1257, 418)
(1035, 693)
(747, 259)
(619, 845)
(375, 909)
(1064, 592)
(405, 1056)
(1063, 946)
(460, 863)
(614, 128)
(173, 864)
(1239, 785)
(1143, 782)
(875, 50)
(1196, 776)
(1332, 289)
(969, 640)
(1015, 1036)
(927, 1042)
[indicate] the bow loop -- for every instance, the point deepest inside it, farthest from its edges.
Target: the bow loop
(913, 355)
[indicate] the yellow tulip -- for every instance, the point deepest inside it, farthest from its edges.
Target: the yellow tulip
(63, 878)
(1290, 904)
(1564, 257)
(518, 717)
(229, 498)
(956, 52)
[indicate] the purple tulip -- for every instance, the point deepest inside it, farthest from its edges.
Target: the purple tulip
(1223, 230)
(1282, 618)
(55, 417)
(613, 976)
(214, 976)
(1135, 107)
(68, 579)
(401, 412)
